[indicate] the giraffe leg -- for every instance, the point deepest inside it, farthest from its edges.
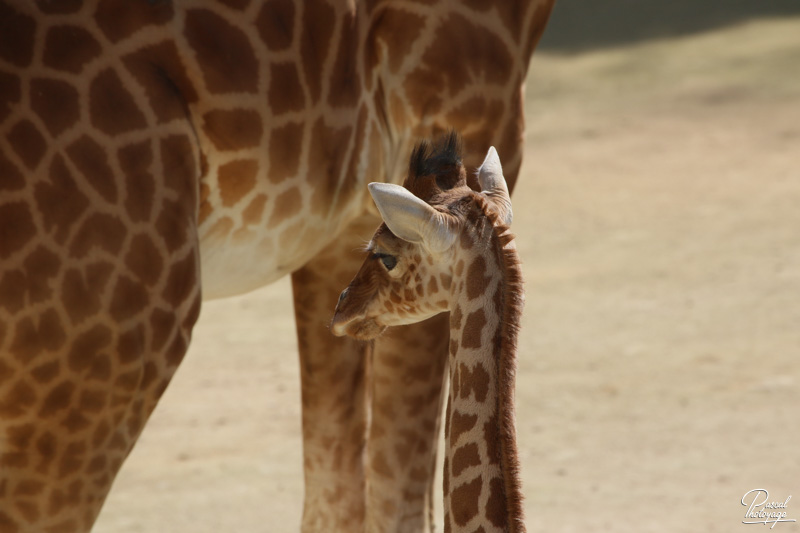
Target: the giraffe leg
(99, 291)
(84, 357)
(405, 382)
(407, 373)
(332, 374)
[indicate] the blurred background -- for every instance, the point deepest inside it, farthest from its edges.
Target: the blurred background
(658, 218)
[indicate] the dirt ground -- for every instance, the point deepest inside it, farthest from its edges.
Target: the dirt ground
(658, 218)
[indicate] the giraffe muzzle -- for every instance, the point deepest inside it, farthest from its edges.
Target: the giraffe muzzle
(358, 327)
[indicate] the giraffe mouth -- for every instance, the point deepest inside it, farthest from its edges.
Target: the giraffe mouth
(363, 329)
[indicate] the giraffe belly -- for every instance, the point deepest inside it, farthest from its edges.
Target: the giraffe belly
(233, 271)
(234, 263)
(233, 268)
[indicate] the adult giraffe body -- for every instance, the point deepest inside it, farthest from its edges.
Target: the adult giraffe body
(151, 151)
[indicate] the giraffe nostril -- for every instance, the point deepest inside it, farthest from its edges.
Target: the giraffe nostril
(342, 296)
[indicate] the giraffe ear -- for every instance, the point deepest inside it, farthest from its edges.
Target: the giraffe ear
(410, 218)
(493, 185)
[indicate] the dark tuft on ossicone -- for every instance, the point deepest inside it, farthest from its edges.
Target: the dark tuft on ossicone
(436, 167)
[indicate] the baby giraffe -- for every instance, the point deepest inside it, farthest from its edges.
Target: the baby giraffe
(445, 247)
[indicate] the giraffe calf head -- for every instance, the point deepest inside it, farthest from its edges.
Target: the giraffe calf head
(398, 283)
(408, 273)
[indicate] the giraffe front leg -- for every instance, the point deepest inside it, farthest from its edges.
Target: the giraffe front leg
(377, 479)
(407, 374)
(332, 374)
(84, 358)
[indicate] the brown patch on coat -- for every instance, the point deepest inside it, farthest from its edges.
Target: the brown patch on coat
(464, 457)
(477, 279)
(17, 33)
(287, 204)
(236, 179)
(13, 180)
(136, 162)
(496, 510)
(10, 95)
(460, 424)
(182, 281)
(69, 48)
(461, 54)
(161, 73)
(81, 292)
(105, 232)
(239, 5)
(144, 259)
(129, 298)
(275, 23)
(172, 225)
(491, 437)
(255, 209)
(475, 380)
(40, 267)
(120, 20)
(56, 103)
(91, 160)
(285, 146)
(233, 129)
(326, 157)
(179, 167)
(344, 81)
(471, 334)
(59, 6)
(16, 227)
(215, 42)
(112, 109)
(18, 400)
(28, 143)
(464, 501)
(315, 43)
(285, 92)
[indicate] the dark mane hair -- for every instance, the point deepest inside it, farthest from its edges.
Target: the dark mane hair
(436, 167)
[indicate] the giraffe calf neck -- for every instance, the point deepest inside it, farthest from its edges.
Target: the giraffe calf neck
(482, 486)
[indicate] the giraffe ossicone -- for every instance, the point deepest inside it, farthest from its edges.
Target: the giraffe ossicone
(453, 252)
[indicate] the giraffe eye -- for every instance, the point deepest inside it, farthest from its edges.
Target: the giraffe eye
(389, 261)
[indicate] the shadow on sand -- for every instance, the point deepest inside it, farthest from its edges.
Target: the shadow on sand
(579, 25)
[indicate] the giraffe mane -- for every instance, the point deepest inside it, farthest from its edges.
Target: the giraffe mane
(505, 350)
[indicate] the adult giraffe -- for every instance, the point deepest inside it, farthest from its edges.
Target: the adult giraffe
(149, 149)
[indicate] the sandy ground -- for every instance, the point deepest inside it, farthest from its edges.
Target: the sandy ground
(658, 217)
